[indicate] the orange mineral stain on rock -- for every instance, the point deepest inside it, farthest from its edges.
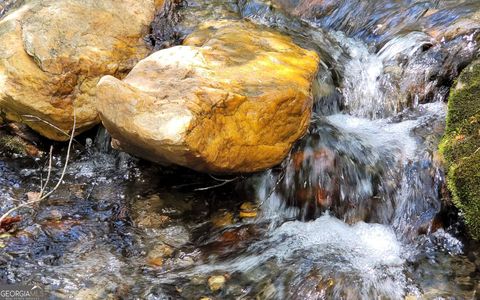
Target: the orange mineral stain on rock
(53, 53)
(233, 98)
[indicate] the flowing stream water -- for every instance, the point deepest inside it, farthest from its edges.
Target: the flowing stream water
(358, 210)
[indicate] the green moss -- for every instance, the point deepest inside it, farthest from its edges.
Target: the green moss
(12, 144)
(461, 146)
(464, 182)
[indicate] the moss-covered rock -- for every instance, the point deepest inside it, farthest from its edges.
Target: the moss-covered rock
(461, 146)
(11, 145)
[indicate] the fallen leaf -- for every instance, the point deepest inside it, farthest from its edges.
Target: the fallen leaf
(33, 196)
(32, 151)
(8, 223)
(156, 262)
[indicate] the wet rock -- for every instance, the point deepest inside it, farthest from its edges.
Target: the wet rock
(17, 140)
(158, 254)
(99, 292)
(9, 224)
(24, 132)
(444, 47)
(159, 210)
(175, 236)
(56, 51)
(179, 18)
(268, 292)
(222, 219)
(216, 283)
(232, 99)
(463, 25)
(461, 146)
(163, 26)
(147, 213)
(183, 259)
(231, 240)
(153, 220)
(248, 210)
(320, 175)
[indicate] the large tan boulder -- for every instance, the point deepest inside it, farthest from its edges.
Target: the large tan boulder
(232, 99)
(53, 52)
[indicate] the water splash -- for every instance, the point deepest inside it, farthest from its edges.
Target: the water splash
(360, 261)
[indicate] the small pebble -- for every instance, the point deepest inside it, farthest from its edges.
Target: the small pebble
(248, 210)
(216, 282)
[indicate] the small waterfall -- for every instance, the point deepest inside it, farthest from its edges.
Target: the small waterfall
(360, 169)
(380, 96)
(372, 161)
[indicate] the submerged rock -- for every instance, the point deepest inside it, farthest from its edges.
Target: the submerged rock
(216, 282)
(248, 210)
(461, 146)
(54, 52)
(233, 98)
(158, 254)
(222, 218)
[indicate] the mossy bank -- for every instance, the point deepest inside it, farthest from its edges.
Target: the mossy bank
(461, 146)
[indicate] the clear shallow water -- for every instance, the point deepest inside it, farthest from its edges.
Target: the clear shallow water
(354, 212)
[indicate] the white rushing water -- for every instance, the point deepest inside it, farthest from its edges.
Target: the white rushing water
(371, 83)
(384, 172)
(368, 255)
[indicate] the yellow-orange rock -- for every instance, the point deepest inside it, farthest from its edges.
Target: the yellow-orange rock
(232, 99)
(53, 52)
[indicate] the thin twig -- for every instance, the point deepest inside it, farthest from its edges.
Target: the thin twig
(279, 180)
(224, 182)
(185, 185)
(221, 179)
(49, 172)
(5, 215)
(40, 196)
(38, 119)
(67, 158)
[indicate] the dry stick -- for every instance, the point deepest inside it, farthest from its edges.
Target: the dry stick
(38, 119)
(66, 159)
(280, 178)
(40, 197)
(43, 186)
(223, 182)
